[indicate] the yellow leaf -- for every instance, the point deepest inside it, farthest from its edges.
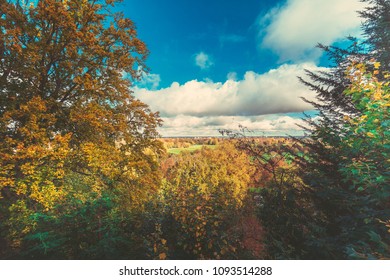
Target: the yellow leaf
(377, 65)
(369, 134)
(162, 256)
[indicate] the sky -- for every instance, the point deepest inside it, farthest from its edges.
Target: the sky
(219, 64)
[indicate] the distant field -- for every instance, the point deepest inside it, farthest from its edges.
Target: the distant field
(192, 148)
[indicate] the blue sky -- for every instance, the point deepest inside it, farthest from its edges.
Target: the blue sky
(175, 31)
(215, 64)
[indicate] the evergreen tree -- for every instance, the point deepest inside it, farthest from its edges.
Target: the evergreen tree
(377, 31)
(352, 211)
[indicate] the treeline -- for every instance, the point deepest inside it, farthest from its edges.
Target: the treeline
(83, 174)
(185, 142)
(178, 142)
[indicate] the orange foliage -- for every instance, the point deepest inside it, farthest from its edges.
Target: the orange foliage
(65, 105)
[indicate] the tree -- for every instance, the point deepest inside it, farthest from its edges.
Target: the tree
(349, 226)
(279, 194)
(203, 197)
(349, 177)
(376, 29)
(366, 151)
(69, 125)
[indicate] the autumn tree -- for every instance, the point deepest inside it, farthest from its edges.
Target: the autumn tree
(70, 129)
(366, 165)
(280, 197)
(203, 196)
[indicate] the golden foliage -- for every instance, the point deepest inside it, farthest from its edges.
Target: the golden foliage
(65, 105)
(204, 191)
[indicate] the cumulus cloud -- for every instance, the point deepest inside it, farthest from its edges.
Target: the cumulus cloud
(276, 91)
(274, 125)
(294, 29)
(203, 60)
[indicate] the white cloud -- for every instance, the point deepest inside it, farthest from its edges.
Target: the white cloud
(294, 29)
(232, 76)
(203, 60)
(183, 125)
(151, 81)
(277, 91)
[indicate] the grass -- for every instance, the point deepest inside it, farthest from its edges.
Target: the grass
(192, 148)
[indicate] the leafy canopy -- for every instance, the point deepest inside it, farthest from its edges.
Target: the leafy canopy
(69, 125)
